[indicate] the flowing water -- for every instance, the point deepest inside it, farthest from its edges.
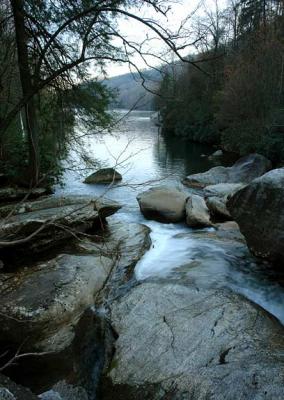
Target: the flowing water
(145, 158)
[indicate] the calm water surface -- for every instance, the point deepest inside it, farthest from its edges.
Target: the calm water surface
(145, 158)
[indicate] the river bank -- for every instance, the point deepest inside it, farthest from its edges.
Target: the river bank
(142, 309)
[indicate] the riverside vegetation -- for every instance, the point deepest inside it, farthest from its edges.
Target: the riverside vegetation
(236, 101)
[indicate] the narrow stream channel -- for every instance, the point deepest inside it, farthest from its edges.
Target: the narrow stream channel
(144, 158)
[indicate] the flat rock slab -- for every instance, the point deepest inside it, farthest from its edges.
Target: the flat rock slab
(243, 171)
(59, 215)
(179, 343)
(163, 204)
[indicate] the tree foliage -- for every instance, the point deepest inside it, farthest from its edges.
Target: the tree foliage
(239, 103)
(54, 48)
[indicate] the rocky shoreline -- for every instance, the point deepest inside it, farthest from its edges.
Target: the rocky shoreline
(78, 325)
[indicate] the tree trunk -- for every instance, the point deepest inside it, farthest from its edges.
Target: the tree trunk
(27, 89)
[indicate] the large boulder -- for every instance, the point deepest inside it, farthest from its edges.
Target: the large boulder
(243, 171)
(55, 307)
(177, 342)
(258, 208)
(104, 176)
(41, 305)
(197, 213)
(184, 335)
(163, 204)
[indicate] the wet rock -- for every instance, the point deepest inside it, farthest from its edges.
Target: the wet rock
(44, 303)
(104, 176)
(163, 204)
(243, 171)
(9, 390)
(229, 231)
(197, 213)
(179, 343)
(258, 209)
(58, 217)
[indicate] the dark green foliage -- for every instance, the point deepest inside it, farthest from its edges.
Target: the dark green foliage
(239, 102)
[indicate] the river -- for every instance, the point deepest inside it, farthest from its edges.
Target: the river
(145, 158)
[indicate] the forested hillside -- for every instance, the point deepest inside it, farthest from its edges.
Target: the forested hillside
(237, 99)
(131, 93)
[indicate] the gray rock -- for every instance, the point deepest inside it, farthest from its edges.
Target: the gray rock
(5, 394)
(216, 198)
(217, 207)
(229, 231)
(64, 391)
(58, 215)
(163, 204)
(197, 213)
(9, 390)
(243, 171)
(104, 176)
(258, 208)
(179, 343)
(44, 303)
(222, 189)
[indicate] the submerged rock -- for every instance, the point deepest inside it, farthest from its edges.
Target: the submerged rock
(104, 176)
(243, 171)
(163, 204)
(194, 344)
(258, 208)
(197, 213)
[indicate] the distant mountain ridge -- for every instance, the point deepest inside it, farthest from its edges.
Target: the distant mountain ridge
(131, 93)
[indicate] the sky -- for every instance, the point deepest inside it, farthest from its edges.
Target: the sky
(137, 32)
